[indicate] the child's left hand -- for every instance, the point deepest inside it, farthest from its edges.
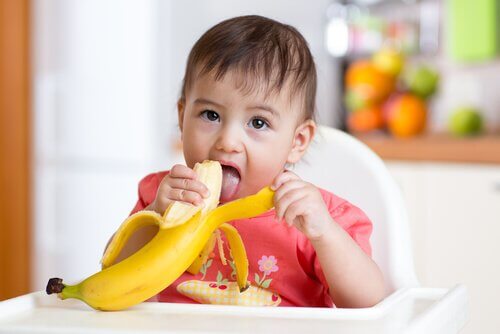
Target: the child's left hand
(301, 204)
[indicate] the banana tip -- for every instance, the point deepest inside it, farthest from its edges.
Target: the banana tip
(245, 288)
(54, 285)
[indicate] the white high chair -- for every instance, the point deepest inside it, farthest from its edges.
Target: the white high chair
(336, 162)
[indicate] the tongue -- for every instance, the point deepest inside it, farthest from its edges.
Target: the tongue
(230, 181)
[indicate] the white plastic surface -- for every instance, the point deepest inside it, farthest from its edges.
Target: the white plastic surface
(412, 310)
(345, 166)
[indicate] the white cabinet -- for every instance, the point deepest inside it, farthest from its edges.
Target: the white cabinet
(455, 223)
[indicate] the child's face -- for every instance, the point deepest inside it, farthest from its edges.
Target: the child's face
(255, 134)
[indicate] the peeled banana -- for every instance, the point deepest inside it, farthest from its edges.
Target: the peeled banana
(209, 172)
(170, 253)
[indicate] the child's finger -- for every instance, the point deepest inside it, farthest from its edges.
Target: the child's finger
(282, 178)
(292, 196)
(191, 185)
(181, 171)
(294, 210)
(186, 196)
(286, 187)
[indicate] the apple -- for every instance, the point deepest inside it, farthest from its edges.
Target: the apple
(465, 121)
(422, 81)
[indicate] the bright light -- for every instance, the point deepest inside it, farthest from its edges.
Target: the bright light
(337, 37)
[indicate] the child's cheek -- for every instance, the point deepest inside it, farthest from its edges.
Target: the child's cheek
(259, 136)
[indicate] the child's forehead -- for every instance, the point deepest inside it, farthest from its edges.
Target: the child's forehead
(251, 85)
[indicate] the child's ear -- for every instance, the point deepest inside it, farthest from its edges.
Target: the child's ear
(302, 138)
(180, 112)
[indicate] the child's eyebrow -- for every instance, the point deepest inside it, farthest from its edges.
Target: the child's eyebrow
(201, 100)
(266, 108)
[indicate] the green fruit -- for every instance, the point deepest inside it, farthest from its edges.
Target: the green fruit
(422, 81)
(465, 122)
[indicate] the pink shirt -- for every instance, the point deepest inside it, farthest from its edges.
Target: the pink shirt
(283, 266)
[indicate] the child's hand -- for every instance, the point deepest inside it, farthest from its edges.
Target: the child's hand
(301, 204)
(180, 184)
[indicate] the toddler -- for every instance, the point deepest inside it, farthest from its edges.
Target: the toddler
(248, 101)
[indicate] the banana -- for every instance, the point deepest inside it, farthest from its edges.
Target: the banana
(209, 172)
(238, 254)
(161, 261)
(202, 258)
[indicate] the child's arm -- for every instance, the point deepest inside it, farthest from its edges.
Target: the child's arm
(354, 279)
(180, 184)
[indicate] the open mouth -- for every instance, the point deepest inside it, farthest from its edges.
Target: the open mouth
(230, 183)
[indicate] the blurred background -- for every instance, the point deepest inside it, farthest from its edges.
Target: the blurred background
(88, 92)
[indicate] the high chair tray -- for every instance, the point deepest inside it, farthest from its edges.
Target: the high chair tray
(411, 310)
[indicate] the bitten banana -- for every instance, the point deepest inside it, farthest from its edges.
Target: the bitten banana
(209, 172)
(155, 266)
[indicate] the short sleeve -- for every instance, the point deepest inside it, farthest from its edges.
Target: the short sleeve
(148, 187)
(353, 220)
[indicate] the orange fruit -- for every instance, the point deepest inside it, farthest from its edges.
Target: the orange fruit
(363, 75)
(365, 120)
(355, 99)
(406, 115)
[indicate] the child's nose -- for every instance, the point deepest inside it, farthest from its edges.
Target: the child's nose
(229, 140)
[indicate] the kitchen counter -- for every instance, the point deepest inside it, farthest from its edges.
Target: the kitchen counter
(436, 147)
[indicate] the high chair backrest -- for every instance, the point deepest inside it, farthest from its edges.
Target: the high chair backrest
(340, 163)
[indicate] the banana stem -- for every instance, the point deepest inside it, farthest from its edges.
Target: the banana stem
(71, 291)
(54, 285)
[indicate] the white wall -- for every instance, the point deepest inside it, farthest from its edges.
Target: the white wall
(94, 103)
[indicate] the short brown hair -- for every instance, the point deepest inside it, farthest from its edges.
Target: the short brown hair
(271, 52)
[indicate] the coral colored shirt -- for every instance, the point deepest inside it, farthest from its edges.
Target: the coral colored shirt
(283, 267)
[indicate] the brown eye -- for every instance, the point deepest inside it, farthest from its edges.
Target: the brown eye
(258, 123)
(210, 115)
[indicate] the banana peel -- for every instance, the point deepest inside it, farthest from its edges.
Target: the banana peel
(170, 253)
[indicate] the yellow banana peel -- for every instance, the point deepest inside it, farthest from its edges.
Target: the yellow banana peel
(202, 258)
(209, 172)
(170, 253)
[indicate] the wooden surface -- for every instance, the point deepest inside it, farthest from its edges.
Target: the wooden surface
(437, 147)
(14, 148)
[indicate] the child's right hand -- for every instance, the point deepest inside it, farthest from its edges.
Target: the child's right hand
(180, 184)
